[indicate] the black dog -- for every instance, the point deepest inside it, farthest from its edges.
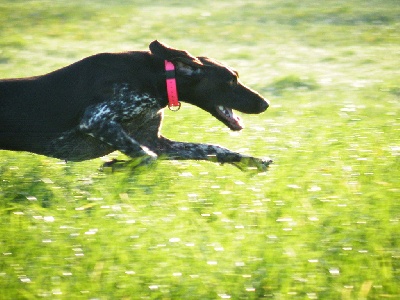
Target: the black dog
(109, 102)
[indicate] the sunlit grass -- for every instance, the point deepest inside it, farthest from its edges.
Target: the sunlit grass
(322, 223)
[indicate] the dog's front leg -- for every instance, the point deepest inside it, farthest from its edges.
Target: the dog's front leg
(112, 133)
(168, 149)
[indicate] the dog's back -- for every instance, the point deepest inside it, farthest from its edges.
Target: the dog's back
(35, 110)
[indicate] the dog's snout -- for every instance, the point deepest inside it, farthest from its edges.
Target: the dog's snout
(264, 105)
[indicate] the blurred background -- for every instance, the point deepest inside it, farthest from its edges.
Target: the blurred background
(322, 223)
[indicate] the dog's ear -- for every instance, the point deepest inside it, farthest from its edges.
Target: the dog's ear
(176, 56)
(187, 70)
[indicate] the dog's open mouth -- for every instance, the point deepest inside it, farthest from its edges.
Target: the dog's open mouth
(233, 121)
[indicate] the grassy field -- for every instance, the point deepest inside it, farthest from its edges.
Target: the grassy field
(322, 223)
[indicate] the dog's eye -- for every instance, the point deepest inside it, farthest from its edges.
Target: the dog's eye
(233, 81)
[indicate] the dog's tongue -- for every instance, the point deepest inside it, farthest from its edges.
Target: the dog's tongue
(238, 121)
(234, 121)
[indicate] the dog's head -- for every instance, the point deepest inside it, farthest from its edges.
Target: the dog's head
(210, 85)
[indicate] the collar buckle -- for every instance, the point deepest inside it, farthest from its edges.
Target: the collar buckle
(174, 107)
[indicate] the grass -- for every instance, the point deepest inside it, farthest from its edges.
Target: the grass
(322, 223)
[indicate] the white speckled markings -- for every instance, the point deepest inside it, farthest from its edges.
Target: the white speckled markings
(103, 121)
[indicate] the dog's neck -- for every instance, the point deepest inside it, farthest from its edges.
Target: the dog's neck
(172, 91)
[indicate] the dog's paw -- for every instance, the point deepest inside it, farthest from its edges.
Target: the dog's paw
(263, 164)
(143, 157)
(146, 160)
(253, 163)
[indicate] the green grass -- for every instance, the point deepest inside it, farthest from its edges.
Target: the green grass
(322, 223)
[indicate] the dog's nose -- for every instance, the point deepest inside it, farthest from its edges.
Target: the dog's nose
(264, 105)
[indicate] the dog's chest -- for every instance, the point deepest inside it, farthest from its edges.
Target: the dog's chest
(124, 106)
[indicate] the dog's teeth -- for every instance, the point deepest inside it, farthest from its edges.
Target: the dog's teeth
(224, 110)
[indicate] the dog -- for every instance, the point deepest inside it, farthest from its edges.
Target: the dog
(115, 101)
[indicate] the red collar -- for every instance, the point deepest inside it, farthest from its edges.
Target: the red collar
(172, 91)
